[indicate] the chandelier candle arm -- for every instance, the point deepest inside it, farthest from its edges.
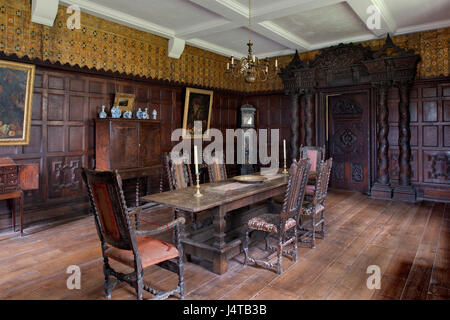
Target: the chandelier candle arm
(251, 68)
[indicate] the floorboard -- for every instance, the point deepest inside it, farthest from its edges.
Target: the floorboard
(409, 243)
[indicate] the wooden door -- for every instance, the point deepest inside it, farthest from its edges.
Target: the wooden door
(124, 142)
(149, 144)
(348, 138)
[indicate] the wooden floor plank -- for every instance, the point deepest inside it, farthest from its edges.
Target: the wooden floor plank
(410, 243)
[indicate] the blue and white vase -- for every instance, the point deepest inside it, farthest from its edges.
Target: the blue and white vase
(115, 112)
(128, 115)
(103, 114)
(155, 114)
(139, 114)
(145, 114)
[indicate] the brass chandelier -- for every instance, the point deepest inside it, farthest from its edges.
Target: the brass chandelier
(250, 67)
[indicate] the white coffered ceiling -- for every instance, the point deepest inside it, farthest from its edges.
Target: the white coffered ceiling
(279, 27)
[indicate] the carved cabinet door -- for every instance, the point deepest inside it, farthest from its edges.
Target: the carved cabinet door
(348, 137)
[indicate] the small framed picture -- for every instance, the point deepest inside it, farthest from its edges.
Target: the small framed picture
(125, 101)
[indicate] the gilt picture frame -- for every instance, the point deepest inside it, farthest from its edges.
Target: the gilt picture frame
(16, 99)
(125, 101)
(197, 107)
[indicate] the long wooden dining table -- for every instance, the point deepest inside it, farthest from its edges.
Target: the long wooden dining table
(221, 240)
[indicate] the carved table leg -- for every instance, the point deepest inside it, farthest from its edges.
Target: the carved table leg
(21, 212)
(405, 191)
(219, 261)
(382, 188)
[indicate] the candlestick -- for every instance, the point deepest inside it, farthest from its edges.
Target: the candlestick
(198, 193)
(284, 153)
(196, 160)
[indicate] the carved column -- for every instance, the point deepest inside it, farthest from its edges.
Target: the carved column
(405, 190)
(294, 125)
(382, 188)
(309, 117)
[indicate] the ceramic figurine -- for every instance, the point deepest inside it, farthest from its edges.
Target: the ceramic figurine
(155, 114)
(115, 112)
(128, 115)
(145, 114)
(103, 114)
(139, 114)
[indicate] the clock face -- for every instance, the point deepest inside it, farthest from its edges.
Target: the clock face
(247, 119)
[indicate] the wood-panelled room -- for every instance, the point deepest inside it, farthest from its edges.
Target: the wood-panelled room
(224, 150)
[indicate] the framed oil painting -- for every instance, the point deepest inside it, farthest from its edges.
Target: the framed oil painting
(197, 107)
(16, 98)
(125, 101)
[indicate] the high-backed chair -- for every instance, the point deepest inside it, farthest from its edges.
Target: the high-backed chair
(178, 172)
(315, 205)
(315, 156)
(279, 224)
(137, 249)
(217, 170)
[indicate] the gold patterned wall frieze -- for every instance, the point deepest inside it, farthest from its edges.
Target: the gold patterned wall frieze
(106, 45)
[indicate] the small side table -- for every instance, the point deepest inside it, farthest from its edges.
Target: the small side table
(11, 197)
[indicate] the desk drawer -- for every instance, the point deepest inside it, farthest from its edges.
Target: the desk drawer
(8, 169)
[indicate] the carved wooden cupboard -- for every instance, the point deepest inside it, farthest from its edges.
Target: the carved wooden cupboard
(133, 147)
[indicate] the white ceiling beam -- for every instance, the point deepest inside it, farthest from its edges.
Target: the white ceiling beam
(387, 23)
(228, 9)
(281, 9)
(206, 29)
(44, 11)
(238, 14)
(281, 36)
(424, 27)
(120, 17)
(199, 43)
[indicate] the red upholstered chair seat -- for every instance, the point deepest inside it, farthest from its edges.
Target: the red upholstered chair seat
(269, 223)
(152, 251)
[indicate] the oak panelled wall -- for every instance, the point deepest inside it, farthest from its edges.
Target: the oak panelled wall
(272, 112)
(430, 138)
(65, 105)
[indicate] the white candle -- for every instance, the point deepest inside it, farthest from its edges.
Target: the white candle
(232, 60)
(228, 66)
(196, 160)
(284, 149)
(276, 63)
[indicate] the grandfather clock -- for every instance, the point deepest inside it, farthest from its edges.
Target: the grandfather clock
(247, 122)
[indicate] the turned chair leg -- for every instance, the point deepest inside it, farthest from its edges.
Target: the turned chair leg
(323, 224)
(280, 256)
(294, 253)
(107, 278)
(266, 239)
(181, 278)
(246, 247)
(313, 235)
(139, 285)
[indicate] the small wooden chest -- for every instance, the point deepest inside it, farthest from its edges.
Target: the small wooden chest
(9, 175)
